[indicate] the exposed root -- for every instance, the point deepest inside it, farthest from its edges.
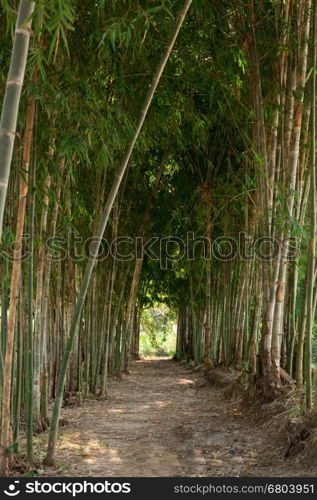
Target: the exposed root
(310, 450)
(48, 462)
(302, 438)
(103, 397)
(73, 399)
(198, 368)
(40, 426)
(235, 390)
(234, 382)
(220, 377)
(63, 422)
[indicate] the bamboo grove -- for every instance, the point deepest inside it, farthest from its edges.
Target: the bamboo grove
(158, 151)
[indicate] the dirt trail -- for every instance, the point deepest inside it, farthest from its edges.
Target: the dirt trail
(162, 421)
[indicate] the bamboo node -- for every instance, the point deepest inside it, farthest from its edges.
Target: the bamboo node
(15, 82)
(7, 132)
(23, 31)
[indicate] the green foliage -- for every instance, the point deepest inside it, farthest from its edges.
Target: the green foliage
(59, 16)
(157, 336)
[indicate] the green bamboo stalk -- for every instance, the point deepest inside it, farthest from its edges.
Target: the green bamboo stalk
(29, 363)
(4, 308)
(14, 290)
(12, 96)
(313, 226)
(39, 337)
(19, 374)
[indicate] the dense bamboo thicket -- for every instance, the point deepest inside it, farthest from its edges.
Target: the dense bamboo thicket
(160, 151)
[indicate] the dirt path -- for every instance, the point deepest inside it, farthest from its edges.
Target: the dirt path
(162, 421)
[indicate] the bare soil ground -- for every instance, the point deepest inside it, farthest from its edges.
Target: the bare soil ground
(162, 420)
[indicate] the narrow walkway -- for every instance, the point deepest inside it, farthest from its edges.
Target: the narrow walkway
(162, 421)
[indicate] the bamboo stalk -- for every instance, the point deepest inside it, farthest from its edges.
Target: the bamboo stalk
(12, 96)
(313, 226)
(14, 291)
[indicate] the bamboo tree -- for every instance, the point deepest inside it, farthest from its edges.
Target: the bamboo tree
(313, 227)
(14, 292)
(129, 315)
(108, 308)
(39, 424)
(207, 325)
(29, 360)
(293, 162)
(12, 96)
(45, 301)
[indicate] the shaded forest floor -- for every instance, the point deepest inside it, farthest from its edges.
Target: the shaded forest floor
(164, 420)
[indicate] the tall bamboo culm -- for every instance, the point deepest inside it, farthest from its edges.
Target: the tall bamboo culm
(12, 96)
